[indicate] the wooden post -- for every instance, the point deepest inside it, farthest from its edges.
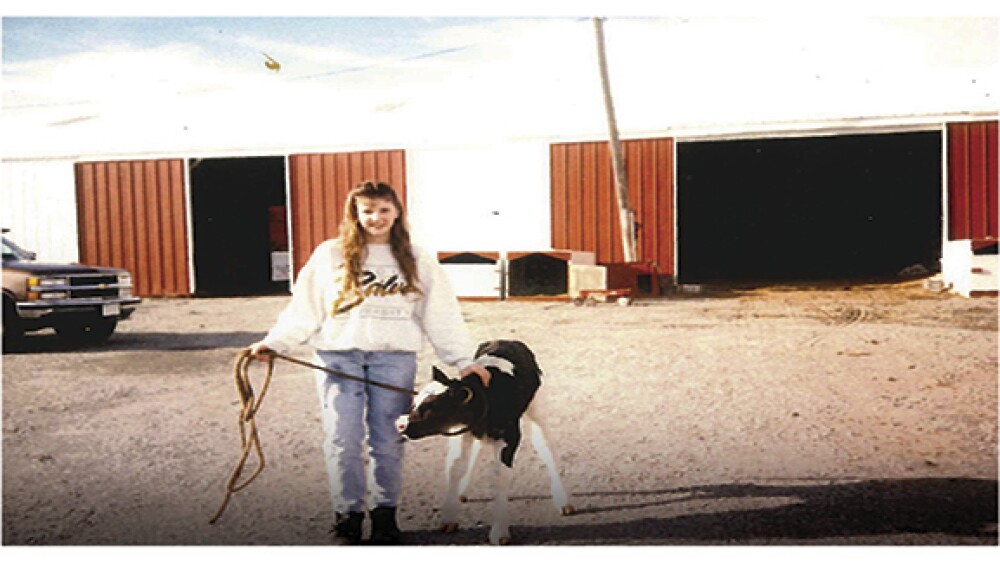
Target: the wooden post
(626, 217)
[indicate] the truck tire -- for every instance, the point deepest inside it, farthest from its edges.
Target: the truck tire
(13, 331)
(87, 331)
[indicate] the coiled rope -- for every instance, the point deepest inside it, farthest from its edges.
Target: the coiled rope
(250, 404)
(249, 438)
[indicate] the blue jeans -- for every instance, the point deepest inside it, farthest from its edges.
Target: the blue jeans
(350, 408)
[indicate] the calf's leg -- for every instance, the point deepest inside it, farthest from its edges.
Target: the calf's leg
(503, 476)
(536, 421)
(463, 485)
(457, 458)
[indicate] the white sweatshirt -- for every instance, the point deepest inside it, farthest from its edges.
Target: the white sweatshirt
(386, 320)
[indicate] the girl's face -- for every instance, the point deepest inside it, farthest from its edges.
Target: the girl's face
(376, 216)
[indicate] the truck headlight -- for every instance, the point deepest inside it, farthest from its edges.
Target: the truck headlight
(34, 282)
(38, 288)
(125, 285)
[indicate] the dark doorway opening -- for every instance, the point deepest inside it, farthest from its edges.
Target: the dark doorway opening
(537, 274)
(808, 209)
(240, 233)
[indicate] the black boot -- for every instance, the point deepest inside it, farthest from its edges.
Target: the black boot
(384, 528)
(347, 529)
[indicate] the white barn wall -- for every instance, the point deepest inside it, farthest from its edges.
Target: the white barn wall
(490, 197)
(480, 197)
(39, 207)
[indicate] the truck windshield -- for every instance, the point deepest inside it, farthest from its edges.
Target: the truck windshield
(12, 251)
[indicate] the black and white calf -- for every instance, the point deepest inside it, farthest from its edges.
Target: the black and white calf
(472, 415)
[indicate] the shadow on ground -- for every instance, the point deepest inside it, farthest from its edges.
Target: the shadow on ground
(49, 342)
(907, 510)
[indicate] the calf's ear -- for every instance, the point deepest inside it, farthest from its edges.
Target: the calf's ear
(440, 376)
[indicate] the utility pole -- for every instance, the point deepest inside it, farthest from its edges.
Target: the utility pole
(626, 217)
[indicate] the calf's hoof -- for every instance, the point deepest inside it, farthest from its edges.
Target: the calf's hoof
(568, 510)
(449, 528)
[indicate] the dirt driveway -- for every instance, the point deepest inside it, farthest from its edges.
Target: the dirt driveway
(829, 416)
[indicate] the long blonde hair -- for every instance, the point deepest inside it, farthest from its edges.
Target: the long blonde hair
(353, 244)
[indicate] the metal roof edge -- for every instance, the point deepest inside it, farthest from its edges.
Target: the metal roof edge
(746, 130)
(797, 128)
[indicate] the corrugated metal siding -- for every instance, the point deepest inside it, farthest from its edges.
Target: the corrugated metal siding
(585, 208)
(972, 181)
(131, 214)
(319, 186)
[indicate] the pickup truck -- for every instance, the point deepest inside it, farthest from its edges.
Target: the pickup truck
(82, 303)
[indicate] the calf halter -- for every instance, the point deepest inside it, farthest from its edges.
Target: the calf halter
(487, 361)
(480, 420)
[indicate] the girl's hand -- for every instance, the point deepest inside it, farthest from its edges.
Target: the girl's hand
(260, 352)
(483, 373)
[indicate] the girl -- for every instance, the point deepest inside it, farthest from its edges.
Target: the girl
(365, 301)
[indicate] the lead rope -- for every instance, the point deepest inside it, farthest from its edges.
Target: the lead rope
(341, 374)
(249, 438)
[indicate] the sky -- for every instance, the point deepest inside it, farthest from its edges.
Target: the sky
(33, 38)
(68, 70)
(133, 49)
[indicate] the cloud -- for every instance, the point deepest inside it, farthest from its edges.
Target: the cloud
(114, 76)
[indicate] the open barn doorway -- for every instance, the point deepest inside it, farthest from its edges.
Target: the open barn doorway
(809, 209)
(240, 231)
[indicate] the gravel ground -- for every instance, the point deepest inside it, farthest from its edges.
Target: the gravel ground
(822, 416)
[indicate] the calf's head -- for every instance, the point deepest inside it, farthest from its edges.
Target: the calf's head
(443, 407)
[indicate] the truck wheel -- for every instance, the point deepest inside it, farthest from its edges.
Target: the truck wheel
(13, 331)
(87, 331)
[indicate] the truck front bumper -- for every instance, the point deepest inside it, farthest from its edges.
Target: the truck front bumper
(120, 308)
